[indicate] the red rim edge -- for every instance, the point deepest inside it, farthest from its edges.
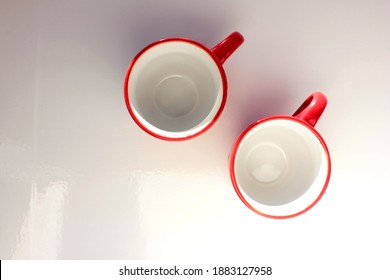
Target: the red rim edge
(233, 176)
(224, 93)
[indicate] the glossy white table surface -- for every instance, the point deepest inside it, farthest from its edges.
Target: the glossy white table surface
(80, 180)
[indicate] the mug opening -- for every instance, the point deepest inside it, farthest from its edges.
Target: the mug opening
(175, 89)
(280, 167)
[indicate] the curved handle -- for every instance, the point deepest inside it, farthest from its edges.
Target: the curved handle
(312, 108)
(226, 47)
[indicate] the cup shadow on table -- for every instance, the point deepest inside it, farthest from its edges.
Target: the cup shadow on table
(140, 29)
(261, 100)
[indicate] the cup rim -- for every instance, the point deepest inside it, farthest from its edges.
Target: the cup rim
(232, 159)
(221, 72)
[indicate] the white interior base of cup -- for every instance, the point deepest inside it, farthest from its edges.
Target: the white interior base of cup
(176, 96)
(175, 89)
(280, 167)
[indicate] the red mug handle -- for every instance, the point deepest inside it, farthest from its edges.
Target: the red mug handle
(227, 46)
(312, 108)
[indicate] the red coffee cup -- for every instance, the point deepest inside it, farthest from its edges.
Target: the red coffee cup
(280, 166)
(176, 88)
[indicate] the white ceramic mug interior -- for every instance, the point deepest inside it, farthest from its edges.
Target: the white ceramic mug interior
(281, 167)
(175, 89)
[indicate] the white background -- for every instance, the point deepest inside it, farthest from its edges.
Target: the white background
(79, 180)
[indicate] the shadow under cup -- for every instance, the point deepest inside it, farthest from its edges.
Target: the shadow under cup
(176, 89)
(280, 167)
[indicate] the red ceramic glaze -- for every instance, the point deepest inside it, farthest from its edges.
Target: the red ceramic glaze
(312, 108)
(307, 115)
(219, 54)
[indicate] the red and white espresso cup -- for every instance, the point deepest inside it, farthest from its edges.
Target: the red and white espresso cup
(176, 88)
(280, 166)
